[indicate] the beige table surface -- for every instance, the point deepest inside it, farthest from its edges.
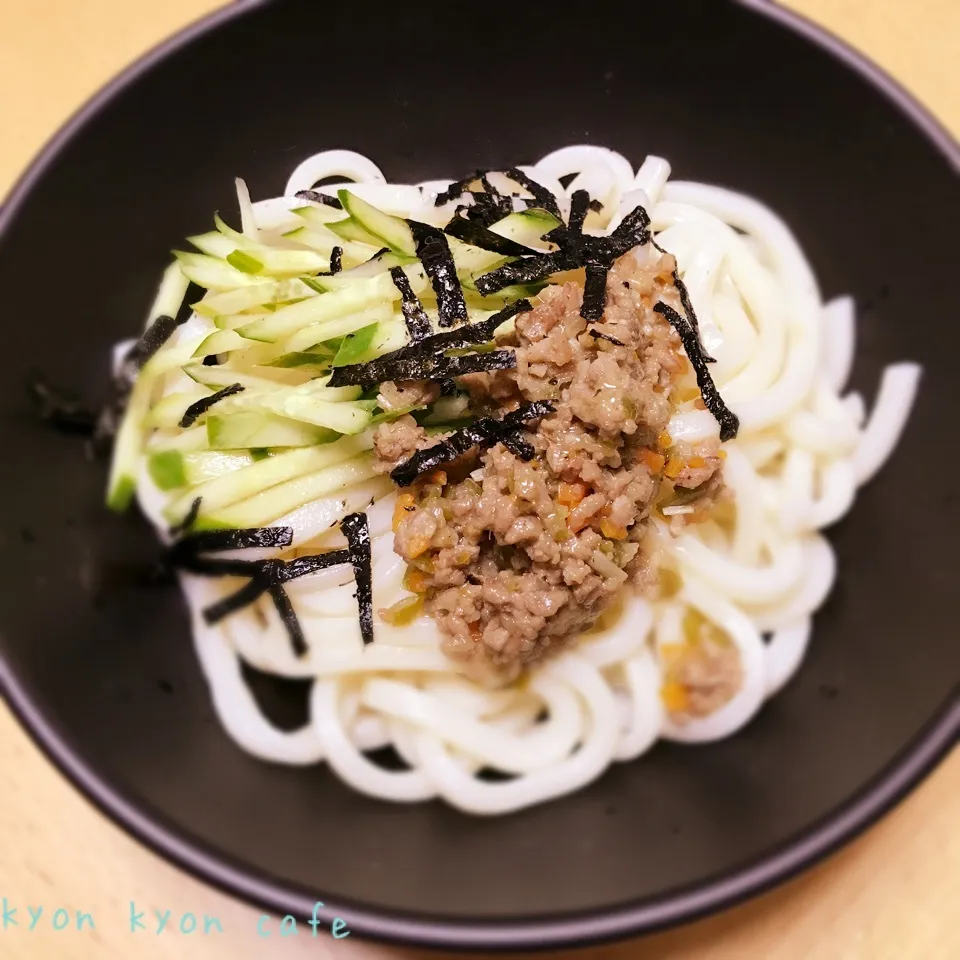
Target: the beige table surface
(894, 894)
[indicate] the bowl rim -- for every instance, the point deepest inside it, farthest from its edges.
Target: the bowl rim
(564, 930)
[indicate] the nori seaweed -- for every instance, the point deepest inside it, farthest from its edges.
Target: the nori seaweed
(477, 234)
(357, 531)
(421, 366)
(434, 253)
(154, 337)
(210, 541)
(189, 520)
(418, 323)
(728, 420)
(198, 409)
(543, 197)
(456, 189)
(484, 432)
(315, 196)
(597, 335)
(289, 617)
(336, 260)
(527, 270)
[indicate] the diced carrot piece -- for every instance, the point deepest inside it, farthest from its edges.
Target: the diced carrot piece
(417, 546)
(674, 696)
(699, 404)
(673, 467)
(664, 441)
(696, 462)
(405, 504)
(654, 461)
(612, 531)
(722, 454)
(570, 494)
(415, 581)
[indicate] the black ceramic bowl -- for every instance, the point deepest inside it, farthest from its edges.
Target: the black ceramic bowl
(739, 94)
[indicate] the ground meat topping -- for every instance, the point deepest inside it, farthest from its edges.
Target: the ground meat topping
(514, 559)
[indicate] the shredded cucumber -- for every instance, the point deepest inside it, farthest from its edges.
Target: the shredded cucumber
(258, 430)
(252, 478)
(271, 504)
(328, 306)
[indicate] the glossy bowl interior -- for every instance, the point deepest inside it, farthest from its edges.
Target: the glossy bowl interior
(102, 670)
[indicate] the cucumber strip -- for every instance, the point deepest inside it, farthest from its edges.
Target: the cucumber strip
(167, 412)
(235, 320)
(285, 264)
(247, 218)
(222, 341)
(270, 505)
(393, 231)
(128, 443)
(352, 231)
(321, 215)
(302, 359)
(255, 477)
(469, 259)
(213, 244)
(319, 332)
(219, 377)
(353, 254)
(212, 273)
(255, 295)
(122, 484)
(318, 388)
(344, 416)
(354, 345)
(172, 469)
(256, 429)
(380, 263)
(186, 441)
(417, 276)
(170, 294)
(357, 296)
(527, 227)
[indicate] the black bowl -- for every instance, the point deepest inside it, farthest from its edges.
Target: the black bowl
(102, 671)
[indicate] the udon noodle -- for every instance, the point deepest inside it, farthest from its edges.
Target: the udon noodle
(805, 446)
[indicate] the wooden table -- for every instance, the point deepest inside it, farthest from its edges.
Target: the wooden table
(892, 895)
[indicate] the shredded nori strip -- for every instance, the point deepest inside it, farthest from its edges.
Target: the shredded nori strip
(269, 576)
(210, 541)
(387, 367)
(336, 260)
(211, 360)
(289, 617)
(189, 520)
(518, 446)
(527, 270)
(728, 420)
(484, 432)
(155, 336)
(61, 410)
(543, 197)
(357, 531)
(421, 366)
(476, 234)
(596, 206)
(247, 594)
(434, 253)
(418, 323)
(594, 291)
(457, 189)
(198, 409)
(315, 196)
(597, 335)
